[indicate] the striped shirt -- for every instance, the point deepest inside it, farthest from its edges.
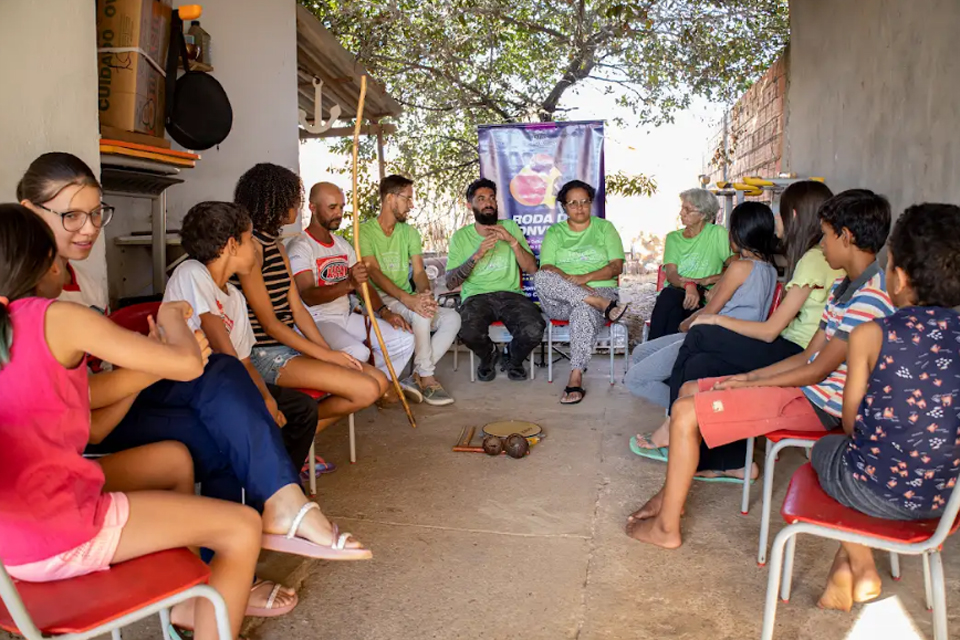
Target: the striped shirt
(851, 303)
(277, 278)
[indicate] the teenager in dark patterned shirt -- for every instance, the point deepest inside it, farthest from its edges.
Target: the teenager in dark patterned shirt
(900, 456)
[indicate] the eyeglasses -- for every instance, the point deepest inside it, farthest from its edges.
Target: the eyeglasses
(578, 204)
(407, 198)
(75, 220)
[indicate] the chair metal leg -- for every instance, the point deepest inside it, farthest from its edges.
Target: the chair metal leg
(626, 349)
(894, 566)
(550, 352)
(773, 582)
(353, 439)
(473, 370)
(313, 469)
(927, 586)
(766, 503)
(613, 342)
(115, 634)
(939, 596)
(456, 354)
(747, 466)
(165, 624)
(787, 579)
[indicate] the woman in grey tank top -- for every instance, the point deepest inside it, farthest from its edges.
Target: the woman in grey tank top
(745, 292)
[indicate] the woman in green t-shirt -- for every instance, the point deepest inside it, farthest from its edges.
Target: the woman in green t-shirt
(718, 346)
(580, 260)
(693, 258)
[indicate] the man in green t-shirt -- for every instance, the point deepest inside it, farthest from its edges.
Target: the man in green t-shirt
(388, 247)
(580, 260)
(486, 258)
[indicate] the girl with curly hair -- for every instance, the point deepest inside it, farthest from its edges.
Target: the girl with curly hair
(290, 352)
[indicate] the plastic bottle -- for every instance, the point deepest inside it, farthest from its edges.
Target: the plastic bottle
(202, 39)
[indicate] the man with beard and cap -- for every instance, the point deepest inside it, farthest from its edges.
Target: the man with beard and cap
(326, 272)
(389, 247)
(486, 258)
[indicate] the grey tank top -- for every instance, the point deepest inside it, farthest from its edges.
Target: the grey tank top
(752, 300)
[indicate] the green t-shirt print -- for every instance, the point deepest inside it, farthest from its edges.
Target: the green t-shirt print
(497, 270)
(392, 252)
(579, 252)
(701, 256)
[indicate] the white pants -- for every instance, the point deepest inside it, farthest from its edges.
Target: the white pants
(445, 325)
(348, 335)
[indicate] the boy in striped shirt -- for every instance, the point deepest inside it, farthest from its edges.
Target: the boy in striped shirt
(801, 393)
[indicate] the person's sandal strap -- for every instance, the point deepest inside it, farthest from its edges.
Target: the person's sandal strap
(292, 533)
(568, 390)
(611, 307)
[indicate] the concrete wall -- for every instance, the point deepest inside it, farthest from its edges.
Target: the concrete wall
(874, 96)
(254, 54)
(49, 75)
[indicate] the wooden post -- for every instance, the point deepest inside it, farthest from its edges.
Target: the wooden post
(365, 287)
(381, 161)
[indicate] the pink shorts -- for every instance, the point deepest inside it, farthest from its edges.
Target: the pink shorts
(737, 414)
(93, 555)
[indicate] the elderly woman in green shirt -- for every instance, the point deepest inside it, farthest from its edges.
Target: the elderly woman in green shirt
(694, 258)
(580, 260)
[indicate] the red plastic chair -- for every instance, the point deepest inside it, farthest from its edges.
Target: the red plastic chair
(808, 509)
(134, 317)
(106, 601)
(777, 298)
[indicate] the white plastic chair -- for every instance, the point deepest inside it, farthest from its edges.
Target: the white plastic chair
(559, 331)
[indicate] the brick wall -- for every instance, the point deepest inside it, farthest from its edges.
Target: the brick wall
(754, 130)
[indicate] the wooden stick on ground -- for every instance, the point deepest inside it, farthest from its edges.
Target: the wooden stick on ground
(364, 288)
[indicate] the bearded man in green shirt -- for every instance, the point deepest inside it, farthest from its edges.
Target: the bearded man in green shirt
(486, 258)
(580, 260)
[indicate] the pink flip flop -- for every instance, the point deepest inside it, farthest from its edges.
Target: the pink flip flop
(291, 544)
(270, 611)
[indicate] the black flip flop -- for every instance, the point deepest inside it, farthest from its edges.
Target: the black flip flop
(611, 307)
(568, 390)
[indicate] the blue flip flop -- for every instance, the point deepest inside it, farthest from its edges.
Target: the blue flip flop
(723, 479)
(659, 454)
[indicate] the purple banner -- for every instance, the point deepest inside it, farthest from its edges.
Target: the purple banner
(530, 162)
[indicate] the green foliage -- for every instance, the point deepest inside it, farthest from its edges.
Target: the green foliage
(455, 64)
(623, 185)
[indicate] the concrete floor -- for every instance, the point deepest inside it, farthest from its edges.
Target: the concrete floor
(467, 546)
(473, 547)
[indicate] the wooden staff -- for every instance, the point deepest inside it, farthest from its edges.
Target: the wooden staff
(364, 288)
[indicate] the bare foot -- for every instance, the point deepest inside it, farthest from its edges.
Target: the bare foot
(839, 592)
(649, 510)
(656, 440)
(650, 531)
(282, 508)
(866, 587)
(731, 473)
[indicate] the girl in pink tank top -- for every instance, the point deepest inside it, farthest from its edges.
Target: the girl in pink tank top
(56, 520)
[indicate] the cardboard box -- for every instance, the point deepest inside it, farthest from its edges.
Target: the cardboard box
(131, 91)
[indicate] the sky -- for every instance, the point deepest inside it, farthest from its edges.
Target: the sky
(673, 154)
